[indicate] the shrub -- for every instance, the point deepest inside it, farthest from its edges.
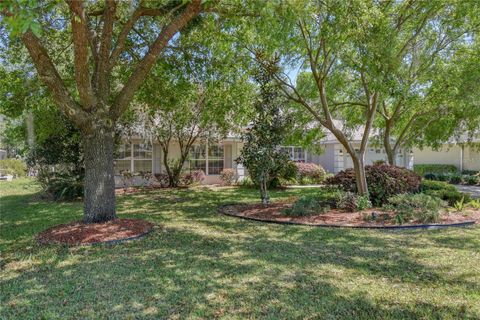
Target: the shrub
(193, 178)
(436, 185)
(418, 207)
(451, 196)
(228, 176)
(443, 190)
(430, 176)
(472, 180)
(383, 181)
(309, 172)
(315, 203)
(443, 177)
(422, 169)
(470, 172)
(352, 202)
(455, 178)
(60, 186)
(163, 179)
(14, 167)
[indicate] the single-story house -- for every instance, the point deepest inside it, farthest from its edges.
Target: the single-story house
(138, 155)
(465, 156)
(3, 154)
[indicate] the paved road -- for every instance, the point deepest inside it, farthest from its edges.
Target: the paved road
(474, 191)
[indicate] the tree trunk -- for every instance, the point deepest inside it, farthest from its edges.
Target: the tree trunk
(99, 197)
(264, 191)
(360, 176)
(391, 152)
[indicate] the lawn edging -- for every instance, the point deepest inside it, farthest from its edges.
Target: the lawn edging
(399, 227)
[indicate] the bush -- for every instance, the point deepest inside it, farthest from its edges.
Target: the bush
(418, 207)
(352, 202)
(315, 203)
(61, 186)
(228, 176)
(309, 173)
(383, 181)
(193, 178)
(14, 167)
(451, 196)
(455, 178)
(163, 179)
(472, 180)
(422, 169)
(430, 176)
(443, 190)
(436, 185)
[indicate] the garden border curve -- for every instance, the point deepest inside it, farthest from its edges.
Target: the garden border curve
(400, 227)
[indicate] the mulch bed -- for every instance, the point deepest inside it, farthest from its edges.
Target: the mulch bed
(274, 213)
(79, 233)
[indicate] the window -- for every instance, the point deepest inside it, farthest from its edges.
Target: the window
(215, 159)
(123, 158)
(198, 158)
(295, 153)
(142, 157)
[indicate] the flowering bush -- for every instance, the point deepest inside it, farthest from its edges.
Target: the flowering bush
(309, 173)
(383, 181)
(228, 176)
(193, 178)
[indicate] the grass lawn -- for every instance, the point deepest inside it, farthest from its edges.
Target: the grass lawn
(198, 264)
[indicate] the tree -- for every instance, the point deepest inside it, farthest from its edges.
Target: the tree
(102, 35)
(262, 154)
(432, 45)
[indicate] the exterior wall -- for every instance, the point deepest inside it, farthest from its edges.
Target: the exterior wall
(232, 149)
(446, 155)
(471, 158)
(326, 159)
(3, 154)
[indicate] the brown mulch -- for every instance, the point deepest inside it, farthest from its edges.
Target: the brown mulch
(78, 233)
(274, 213)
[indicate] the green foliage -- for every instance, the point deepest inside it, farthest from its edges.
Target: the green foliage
(471, 180)
(475, 203)
(455, 178)
(423, 169)
(61, 185)
(261, 153)
(436, 185)
(352, 202)
(460, 205)
(14, 167)
(451, 196)
(306, 206)
(417, 207)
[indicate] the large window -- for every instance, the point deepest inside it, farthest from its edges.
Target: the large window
(215, 159)
(123, 159)
(210, 162)
(135, 158)
(198, 158)
(295, 153)
(142, 157)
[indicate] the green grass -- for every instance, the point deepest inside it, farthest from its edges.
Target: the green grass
(199, 264)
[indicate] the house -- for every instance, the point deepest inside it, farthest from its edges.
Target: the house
(463, 155)
(138, 155)
(3, 154)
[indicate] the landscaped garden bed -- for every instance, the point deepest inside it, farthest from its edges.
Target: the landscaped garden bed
(79, 233)
(369, 218)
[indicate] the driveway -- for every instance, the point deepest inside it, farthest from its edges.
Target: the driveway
(474, 191)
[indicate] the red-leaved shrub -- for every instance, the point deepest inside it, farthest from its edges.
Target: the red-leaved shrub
(383, 181)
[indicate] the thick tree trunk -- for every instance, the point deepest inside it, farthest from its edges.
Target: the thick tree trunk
(391, 152)
(360, 176)
(99, 198)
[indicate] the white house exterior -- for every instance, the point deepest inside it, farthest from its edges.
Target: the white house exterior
(137, 155)
(462, 156)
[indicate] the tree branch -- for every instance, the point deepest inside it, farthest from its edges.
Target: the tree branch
(80, 45)
(143, 67)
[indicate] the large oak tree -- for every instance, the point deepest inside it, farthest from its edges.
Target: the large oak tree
(104, 35)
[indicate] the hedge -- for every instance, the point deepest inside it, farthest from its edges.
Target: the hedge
(422, 169)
